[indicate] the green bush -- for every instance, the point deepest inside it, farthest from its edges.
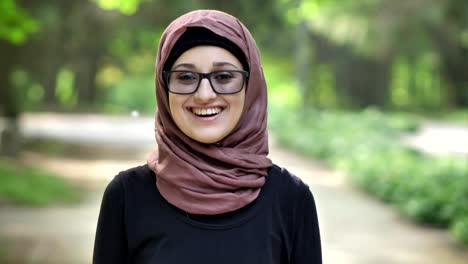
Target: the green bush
(459, 229)
(366, 146)
(33, 187)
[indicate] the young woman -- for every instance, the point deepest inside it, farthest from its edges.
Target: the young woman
(209, 194)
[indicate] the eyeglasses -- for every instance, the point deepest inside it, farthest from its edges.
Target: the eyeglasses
(222, 82)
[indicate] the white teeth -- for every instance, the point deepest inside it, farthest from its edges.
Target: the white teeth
(206, 111)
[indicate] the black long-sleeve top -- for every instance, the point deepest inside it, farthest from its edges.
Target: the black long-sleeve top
(137, 225)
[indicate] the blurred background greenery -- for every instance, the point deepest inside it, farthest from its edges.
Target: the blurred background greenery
(98, 55)
(344, 77)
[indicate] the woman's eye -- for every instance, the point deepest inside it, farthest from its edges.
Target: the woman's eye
(223, 76)
(187, 76)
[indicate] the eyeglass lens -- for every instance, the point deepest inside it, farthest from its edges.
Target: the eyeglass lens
(223, 82)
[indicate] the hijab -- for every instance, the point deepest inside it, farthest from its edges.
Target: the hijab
(215, 178)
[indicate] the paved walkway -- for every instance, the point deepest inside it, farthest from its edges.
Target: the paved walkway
(356, 229)
(440, 138)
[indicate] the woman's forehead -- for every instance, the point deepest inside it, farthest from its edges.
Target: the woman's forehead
(207, 55)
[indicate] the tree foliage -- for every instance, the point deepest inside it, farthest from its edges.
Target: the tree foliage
(374, 40)
(397, 54)
(15, 22)
(128, 7)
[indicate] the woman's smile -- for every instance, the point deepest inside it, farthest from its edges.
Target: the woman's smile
(206, 111)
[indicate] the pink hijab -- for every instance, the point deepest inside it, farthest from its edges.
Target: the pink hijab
(212, 178)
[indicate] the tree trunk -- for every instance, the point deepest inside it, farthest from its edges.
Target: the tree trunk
(455, 72)
(44, 54)
(360, 81)
(454, 63)
(93, 23)
(9, 104)
(303, 62)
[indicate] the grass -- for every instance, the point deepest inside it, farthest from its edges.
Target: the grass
(30, 186)
(460, 115)
(2, 255)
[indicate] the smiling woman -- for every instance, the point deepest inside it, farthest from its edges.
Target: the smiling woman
(209, 193)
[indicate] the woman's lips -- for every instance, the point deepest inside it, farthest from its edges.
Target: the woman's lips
(206, 113)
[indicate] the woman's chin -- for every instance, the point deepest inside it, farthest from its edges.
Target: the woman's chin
(208, 136)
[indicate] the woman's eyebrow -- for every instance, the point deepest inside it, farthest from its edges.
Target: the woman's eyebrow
(216, 64)
(187, 65)
(223, 63)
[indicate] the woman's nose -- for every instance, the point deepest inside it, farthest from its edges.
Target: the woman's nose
(204, 92)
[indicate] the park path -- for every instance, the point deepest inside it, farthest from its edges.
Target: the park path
(355, 228)
(440, 138)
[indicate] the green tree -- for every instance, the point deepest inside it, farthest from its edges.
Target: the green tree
(362, 41)
(15, 27)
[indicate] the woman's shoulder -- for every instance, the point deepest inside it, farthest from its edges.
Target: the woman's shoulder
(286, 183)
(136, 174)
(133, 178)
(290, 196)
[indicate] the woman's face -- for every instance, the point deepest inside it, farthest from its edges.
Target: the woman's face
(206, 116)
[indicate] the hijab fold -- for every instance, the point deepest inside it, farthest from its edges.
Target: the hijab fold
(212, 178)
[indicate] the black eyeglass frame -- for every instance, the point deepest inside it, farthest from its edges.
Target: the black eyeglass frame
(245, 76)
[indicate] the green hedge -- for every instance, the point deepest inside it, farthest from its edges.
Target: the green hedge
(366, 146)
(24, 185)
